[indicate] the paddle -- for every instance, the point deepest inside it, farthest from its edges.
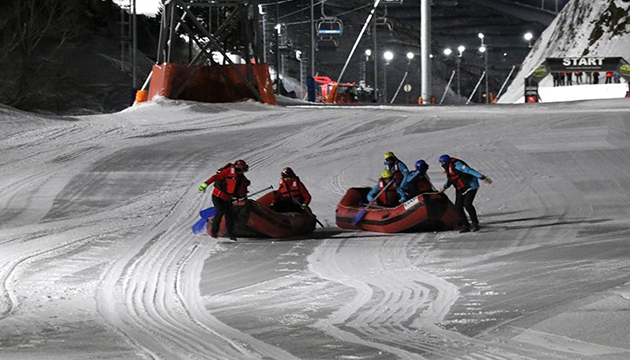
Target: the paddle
(308, 210)
(205, 214)
(359, 216)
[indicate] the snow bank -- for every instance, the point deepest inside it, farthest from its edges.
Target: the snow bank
(583, 28)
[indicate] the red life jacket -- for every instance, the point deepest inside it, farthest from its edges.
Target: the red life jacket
(424, 184)
(459, 179)
(390, 196)
(232, 184)
(293, 188)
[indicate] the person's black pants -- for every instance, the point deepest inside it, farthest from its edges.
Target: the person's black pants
(465, 201)
(223, 208)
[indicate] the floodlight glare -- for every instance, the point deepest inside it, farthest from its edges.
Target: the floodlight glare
(481, 36)
(461, 48)
(388, 55)
(528, 36)
(368, 52)
(482, 49)
(410, 55)
(448, 51)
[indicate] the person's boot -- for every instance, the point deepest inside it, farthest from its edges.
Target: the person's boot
(465, 229)
(213, 235)
(475, 228)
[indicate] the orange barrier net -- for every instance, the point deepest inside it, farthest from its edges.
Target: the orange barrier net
(214, 84)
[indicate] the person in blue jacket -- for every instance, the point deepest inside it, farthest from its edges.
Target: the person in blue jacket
(398, 169)
(466, 183)
(417, 182)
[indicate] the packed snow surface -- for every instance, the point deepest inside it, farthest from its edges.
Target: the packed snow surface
(98, 261)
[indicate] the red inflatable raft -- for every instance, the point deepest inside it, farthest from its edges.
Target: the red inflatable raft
(256, 219)
(425, 212)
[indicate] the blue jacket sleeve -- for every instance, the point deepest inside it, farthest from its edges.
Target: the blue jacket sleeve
(372, 193)
(403, 169)
(468, 170)
(411, 177)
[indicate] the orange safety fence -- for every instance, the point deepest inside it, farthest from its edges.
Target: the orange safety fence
(214, 84)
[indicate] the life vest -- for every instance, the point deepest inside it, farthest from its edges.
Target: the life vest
(390, 196)
(423, 184)
(290, 189)
(398, 176)
(396, 173)
(459, 179)
(232, 184)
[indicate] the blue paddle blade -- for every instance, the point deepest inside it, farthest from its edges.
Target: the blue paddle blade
(358, 217)
(207, 213)
(199, 226)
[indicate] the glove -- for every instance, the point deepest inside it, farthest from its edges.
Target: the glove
(202, 187)
(487, 180)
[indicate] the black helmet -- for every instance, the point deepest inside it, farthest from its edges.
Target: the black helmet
(241, 165)
(287, 172)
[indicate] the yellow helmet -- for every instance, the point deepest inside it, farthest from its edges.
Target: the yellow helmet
(389, 154)
(386, 174)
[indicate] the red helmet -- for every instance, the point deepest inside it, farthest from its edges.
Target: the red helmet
(287, 172)
(241, 165)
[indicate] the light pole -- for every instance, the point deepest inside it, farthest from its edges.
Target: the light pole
(528, 36)
(410, 57)
(388, 56)
(484, 50)
(368, 53)
(461, 50)
(277, 48)
(447, 54)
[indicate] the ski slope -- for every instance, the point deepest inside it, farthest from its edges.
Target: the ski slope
(97, 260)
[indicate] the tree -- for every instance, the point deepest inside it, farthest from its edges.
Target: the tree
(31, 32)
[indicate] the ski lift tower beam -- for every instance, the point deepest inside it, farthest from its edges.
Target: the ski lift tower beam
(236, 19)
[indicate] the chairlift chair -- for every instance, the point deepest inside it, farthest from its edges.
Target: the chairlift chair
(328, 30)
(384, 21)
(329, 26)
(284, 42)
(326, 43)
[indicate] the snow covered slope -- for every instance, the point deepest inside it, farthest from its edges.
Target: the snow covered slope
(97, 259)
(583, 28)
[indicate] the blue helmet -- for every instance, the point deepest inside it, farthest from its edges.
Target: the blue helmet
(422, 166)
(445, 158)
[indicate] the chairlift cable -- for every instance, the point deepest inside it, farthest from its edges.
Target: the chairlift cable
(295, 12)
(279, 2)
(336, 15)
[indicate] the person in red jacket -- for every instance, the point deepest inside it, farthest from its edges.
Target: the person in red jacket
(609, 77)
(292, 195)
(229, 183)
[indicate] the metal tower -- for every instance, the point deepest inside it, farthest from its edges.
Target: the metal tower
(226, 27)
